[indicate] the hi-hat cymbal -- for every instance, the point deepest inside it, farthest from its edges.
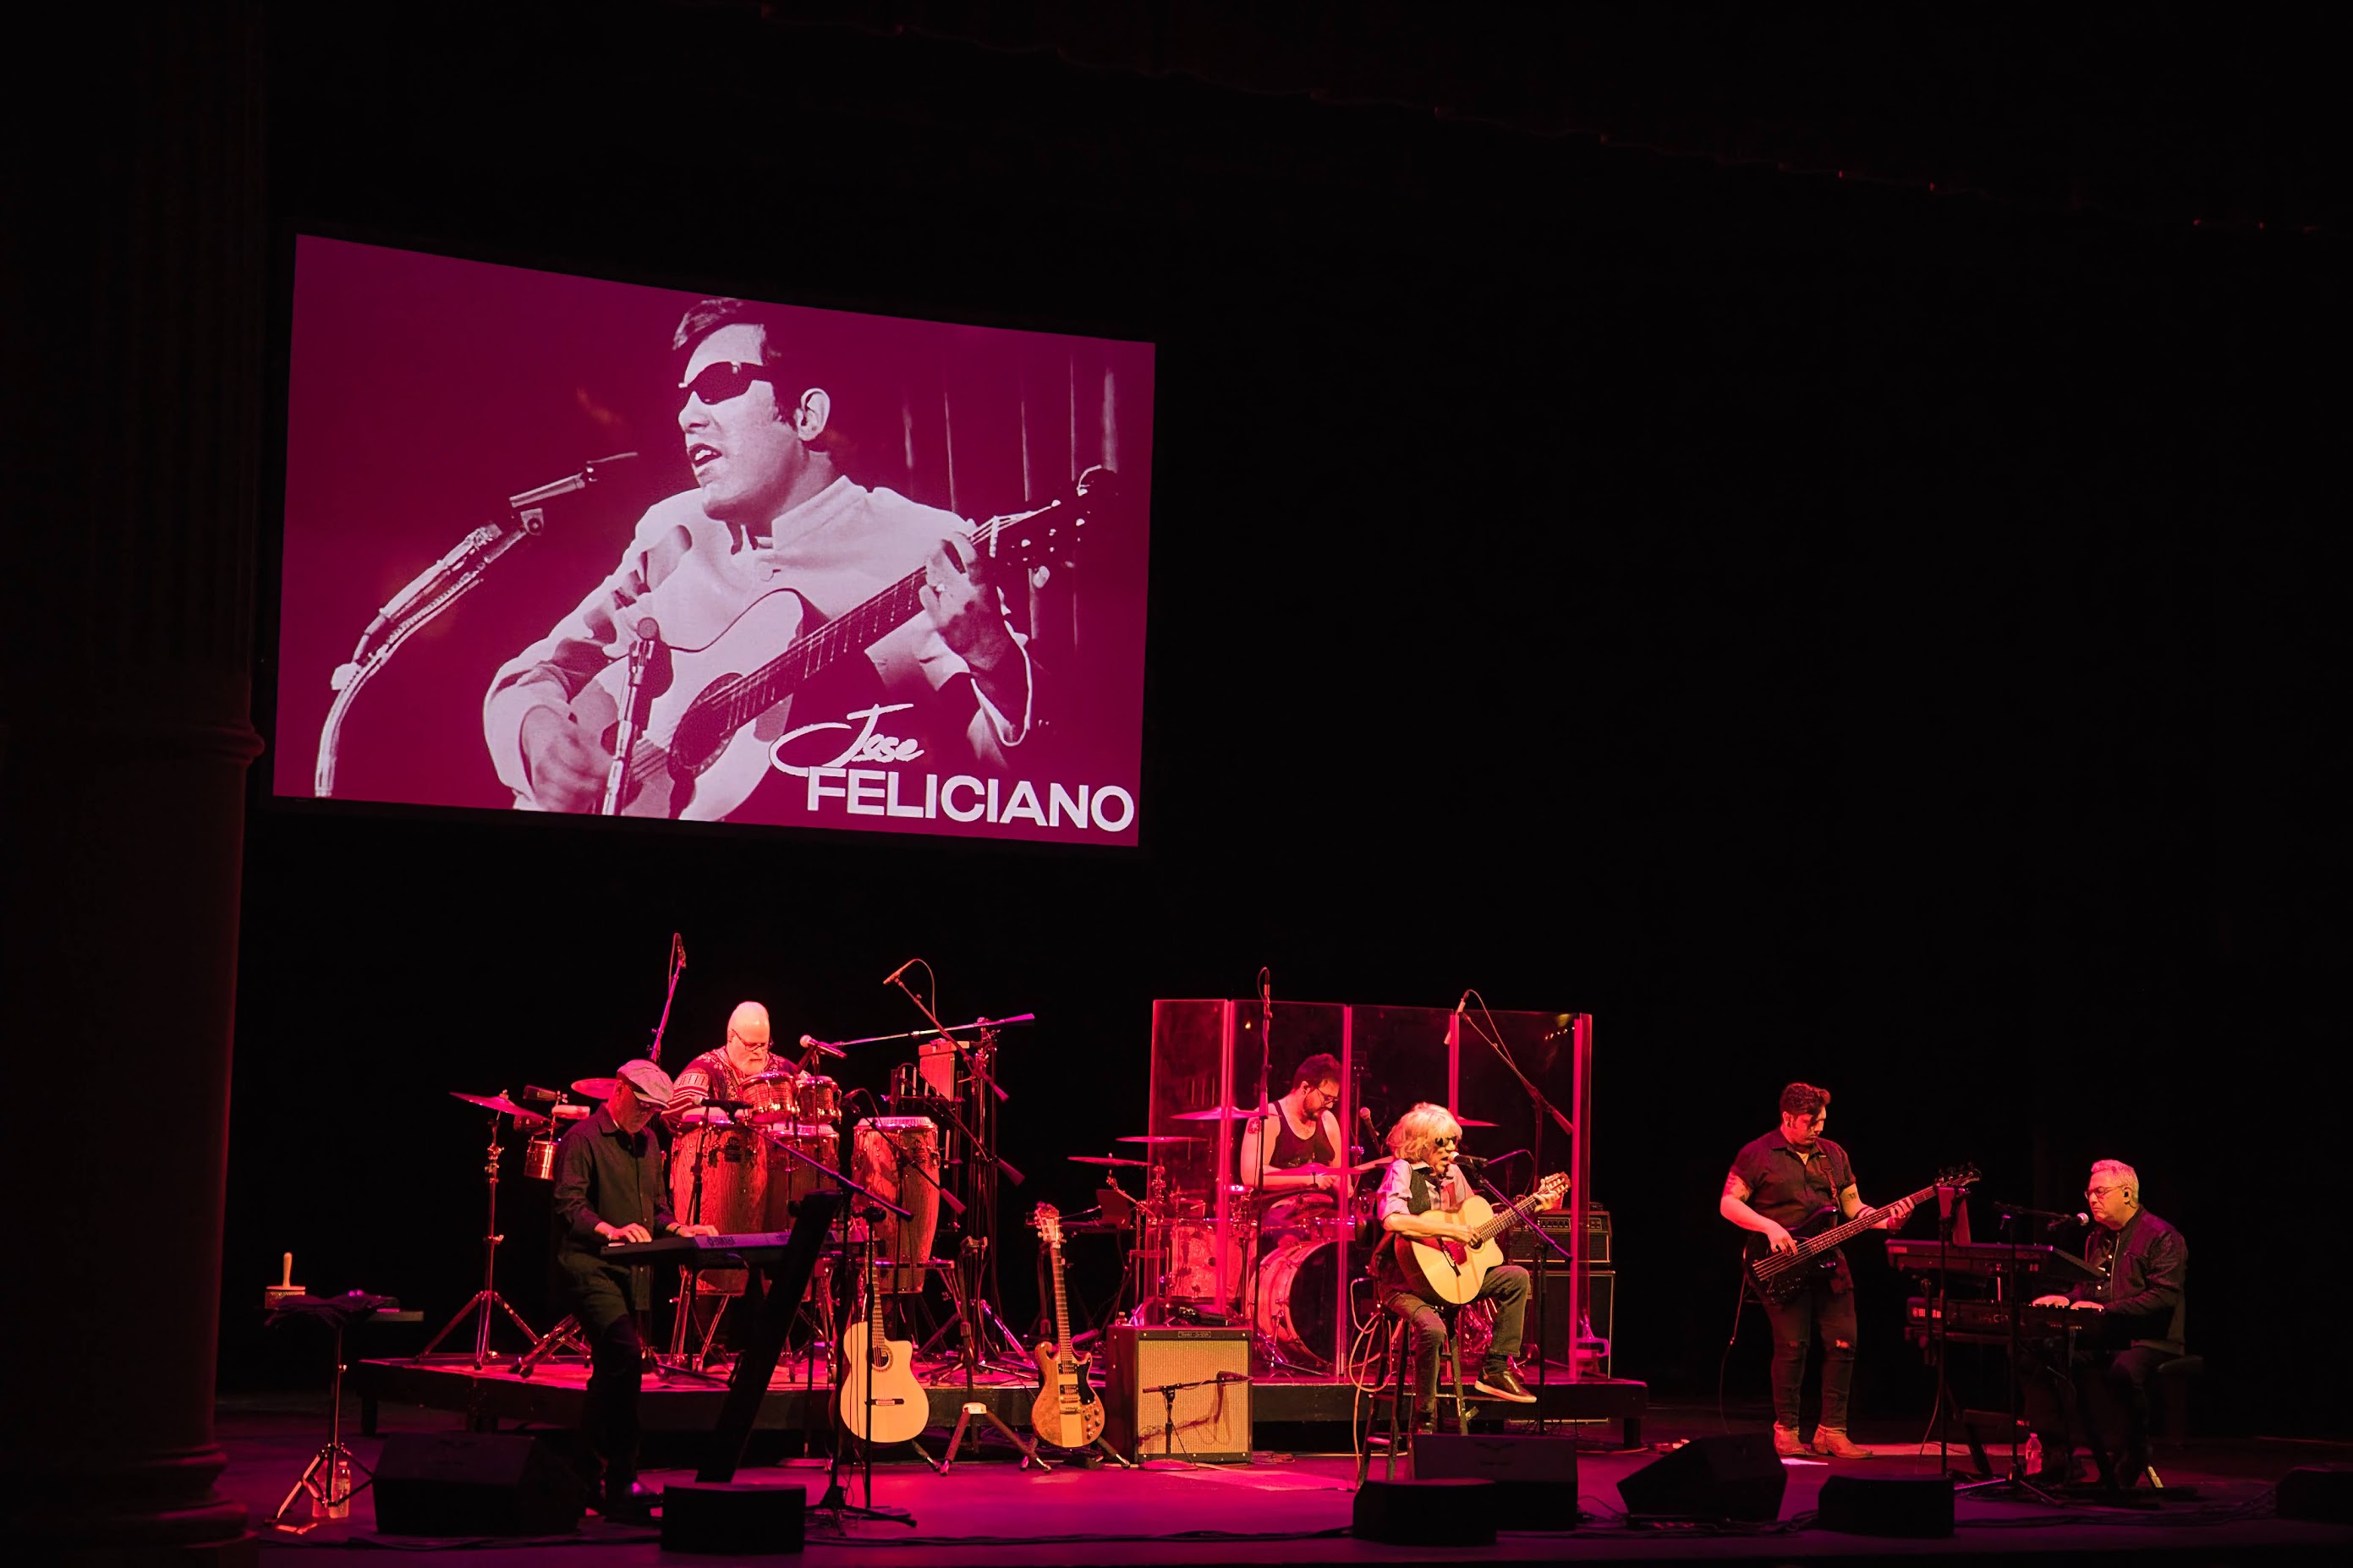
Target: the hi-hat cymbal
(504, 1106)
(1222, 1113)
(1109, 1159)
(593, 1088)
(1157, 1138)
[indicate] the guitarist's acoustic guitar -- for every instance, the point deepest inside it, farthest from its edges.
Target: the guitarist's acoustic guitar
(899, 1408)
(708, 687)
(1777, 1275)
(1453, 1270)
(1068, 1412)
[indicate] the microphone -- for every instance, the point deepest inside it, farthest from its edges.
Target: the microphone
(1233, 1377)
(1472, 1161)
(811, 1043)
(892, 978)
(2056, 1220)
(1460, 1001)
(530, 516)
(1365, 1115)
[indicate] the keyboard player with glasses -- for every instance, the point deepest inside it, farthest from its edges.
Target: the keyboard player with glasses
(609, 1188)
(2102, 1389)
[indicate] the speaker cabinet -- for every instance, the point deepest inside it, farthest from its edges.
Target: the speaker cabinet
(1737, 1476)
(1919, 1508)
(1535, 1478)
(1212, 1418)
(475, 1483)
(2323, 1493)
(1551, 1330)
(733, 1520)
(1453, 1511)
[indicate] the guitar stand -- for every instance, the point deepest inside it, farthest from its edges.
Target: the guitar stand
(1028, 1446)
(564, 1335)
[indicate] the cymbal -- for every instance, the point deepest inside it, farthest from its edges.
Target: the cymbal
(1109, 1159)
(1157, 1138)
(1472, 1121)
(1222, 1113)
(504, 1106)
(593, 1088)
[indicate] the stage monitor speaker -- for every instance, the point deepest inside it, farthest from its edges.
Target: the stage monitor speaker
(1917, 1508)
(730, 1519)
(1737, 1476)
(1535, 1478)
(475, 1483)
(1212, 1418)
(2323, 1493)
(1454, 1511)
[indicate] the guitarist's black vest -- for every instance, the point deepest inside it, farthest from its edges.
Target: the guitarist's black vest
(1389, 1270)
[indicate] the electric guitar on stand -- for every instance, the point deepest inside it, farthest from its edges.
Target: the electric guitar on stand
(1454, 1270)
(1068, 1413)
(899, 1408)
(1777, 1275)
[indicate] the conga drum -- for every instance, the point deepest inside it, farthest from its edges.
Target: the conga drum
(734, 1165)
(899, 1158)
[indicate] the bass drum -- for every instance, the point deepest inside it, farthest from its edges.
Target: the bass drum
(1298, 1295)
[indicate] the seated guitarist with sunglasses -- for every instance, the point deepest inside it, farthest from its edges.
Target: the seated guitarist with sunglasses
(1781, 1181)
(771, 509)
(1422, 1194)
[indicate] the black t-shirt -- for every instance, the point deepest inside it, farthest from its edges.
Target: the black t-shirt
(1788, 1186)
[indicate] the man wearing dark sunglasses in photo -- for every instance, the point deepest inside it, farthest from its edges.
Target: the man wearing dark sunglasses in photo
(773, 542)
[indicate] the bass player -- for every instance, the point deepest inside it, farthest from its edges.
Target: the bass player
(1780, 1182)
(1422, 1194)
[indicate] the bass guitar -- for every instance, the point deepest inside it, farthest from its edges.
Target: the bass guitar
(706, 689)
(1777, 1275)
(899, 1408)
(1454, 1270)
(1068, 1412)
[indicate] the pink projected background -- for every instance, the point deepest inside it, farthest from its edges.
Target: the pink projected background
(425, 392)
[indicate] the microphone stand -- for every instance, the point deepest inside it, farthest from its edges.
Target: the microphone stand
(835, 1499)
(669, 990)
(1168, 1392)
(1575, 1207)
(986, 1165)
(437, 588)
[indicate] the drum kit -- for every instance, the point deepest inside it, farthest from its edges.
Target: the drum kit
(1185, 1270)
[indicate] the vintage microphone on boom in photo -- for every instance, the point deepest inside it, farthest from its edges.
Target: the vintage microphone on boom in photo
(433, 590)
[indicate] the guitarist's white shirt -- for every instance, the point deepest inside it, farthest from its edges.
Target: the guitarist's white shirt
(1396, 1195)
(695, 574)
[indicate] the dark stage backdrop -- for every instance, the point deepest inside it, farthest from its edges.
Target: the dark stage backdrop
(1824, 633)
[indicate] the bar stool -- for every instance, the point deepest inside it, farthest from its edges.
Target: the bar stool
(2169, 1408)
(1397, 1385)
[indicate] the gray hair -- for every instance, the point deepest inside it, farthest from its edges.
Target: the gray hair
(2123, 1173)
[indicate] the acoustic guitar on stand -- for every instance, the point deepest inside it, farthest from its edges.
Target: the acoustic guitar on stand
(1068, 1413)
(1454, 1270)
(899, 1408)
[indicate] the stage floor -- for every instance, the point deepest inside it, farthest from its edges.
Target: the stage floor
(1294, 1508)
(552, 1396)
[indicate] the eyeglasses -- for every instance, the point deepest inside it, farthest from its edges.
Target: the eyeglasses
(1447, 1143)
(2095, 1192)
(720, 381)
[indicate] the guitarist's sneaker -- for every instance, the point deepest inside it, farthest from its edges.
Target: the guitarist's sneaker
(1786, 1442)
(1833, 1443)
(1505, 1384)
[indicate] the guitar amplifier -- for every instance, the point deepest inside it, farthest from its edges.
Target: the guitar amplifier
(1520, 1246)
(1212, 1416)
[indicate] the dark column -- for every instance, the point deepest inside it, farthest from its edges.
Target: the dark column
(129, 347)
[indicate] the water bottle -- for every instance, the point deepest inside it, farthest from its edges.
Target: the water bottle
(338, 1503)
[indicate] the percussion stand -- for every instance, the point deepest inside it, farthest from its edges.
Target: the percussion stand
(985, 1166)
(488, 1297)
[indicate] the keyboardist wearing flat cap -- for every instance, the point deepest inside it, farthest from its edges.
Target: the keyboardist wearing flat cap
(2102, 1393)
(608, 1188)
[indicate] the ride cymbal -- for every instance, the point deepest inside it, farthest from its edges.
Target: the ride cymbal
(502, 1105)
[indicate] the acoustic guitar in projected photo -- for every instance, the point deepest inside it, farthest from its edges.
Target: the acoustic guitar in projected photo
(1777, 1275)
(900, 1409)
(1068, 1413)
(704, 687)
(1454, 1270)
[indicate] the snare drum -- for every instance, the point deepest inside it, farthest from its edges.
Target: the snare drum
(899, 1158)
(1303, 1216)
